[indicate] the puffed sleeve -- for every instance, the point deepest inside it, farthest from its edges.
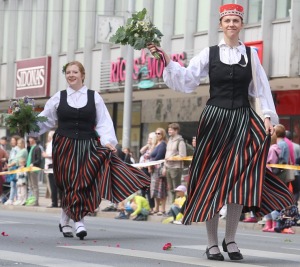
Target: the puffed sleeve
(260, 88)
(186, 79)
(50, 112)
(104, 124)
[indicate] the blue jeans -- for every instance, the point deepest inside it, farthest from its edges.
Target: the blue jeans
(13, 190)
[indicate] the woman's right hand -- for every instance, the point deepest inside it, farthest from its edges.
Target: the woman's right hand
(153, 49)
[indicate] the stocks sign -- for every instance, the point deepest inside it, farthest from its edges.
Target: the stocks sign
(33, 77)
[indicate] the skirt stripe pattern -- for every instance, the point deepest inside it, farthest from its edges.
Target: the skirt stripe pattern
(229, 166)
(86, 172)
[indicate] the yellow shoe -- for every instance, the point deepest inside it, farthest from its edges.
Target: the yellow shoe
(179, 216)
(168, 220)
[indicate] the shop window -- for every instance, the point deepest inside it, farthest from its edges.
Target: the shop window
(119, 8)
(65, 26)
(49, 27)
(283, 9)
(100, 7)
(254, 11)
(203, 15)
(158, 14)
(19, 33)
(33, 30)
(81, 24)
(139, 5)
(179, 18)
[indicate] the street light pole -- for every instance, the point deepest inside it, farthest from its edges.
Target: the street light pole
(127, 114)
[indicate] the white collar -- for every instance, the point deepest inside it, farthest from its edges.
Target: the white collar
(241, 47)
(82, 90)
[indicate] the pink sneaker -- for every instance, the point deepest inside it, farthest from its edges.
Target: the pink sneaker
(250, 220)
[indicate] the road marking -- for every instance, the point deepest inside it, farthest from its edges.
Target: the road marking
(8, 222)
(167, 256)
(43, 261)
(257, 253)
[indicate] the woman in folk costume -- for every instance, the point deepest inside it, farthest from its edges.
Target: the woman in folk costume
(85, 168)
(229, 163)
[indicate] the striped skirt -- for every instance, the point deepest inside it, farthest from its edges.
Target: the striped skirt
(85, 172)
(229, 166)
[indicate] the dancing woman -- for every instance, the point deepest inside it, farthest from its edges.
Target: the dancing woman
(85, 167)
(229, 163)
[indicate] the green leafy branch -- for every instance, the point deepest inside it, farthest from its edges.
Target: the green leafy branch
(138, 32)
(23, 119)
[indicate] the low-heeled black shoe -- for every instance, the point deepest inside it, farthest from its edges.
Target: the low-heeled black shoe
(234, 256)
(214, 257)
(66, 234)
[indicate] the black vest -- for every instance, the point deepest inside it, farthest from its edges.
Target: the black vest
(228, 83)
(77, 123)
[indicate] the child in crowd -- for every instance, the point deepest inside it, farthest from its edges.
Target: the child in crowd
(136, 206)
(21, 184)
(175, 212)
(140, 207)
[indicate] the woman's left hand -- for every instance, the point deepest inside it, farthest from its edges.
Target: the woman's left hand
(268, 126)
(111, 147)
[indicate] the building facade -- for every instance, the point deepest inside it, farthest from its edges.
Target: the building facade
(37, 37)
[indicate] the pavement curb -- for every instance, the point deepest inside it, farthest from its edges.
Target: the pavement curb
(151, 218)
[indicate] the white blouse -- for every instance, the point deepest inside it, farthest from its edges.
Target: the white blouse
(78, 99)
(187, 79)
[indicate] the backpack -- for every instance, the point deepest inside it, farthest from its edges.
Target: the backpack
(189, 148)
(280, 160)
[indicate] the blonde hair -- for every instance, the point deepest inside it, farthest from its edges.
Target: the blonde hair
(163, 135)
(152, 135)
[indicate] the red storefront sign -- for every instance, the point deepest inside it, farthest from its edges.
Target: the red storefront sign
(33, 77)
(287, 102)
(258, 46)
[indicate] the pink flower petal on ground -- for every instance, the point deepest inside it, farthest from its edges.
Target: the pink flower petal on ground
(4, 234)
(167, 246)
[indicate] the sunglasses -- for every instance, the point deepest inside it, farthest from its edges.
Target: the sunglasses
(158, 133)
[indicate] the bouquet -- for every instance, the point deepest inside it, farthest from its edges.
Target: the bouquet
(22, 118)
(138, 32)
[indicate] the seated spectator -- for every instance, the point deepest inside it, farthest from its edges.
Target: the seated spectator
(136, 207)
(140, 207)
(175, 213)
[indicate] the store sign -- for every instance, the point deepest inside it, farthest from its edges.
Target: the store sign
(258, 46)
(33, 77)
(154, 67)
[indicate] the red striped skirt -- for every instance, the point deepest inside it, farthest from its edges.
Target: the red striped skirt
(85, 172)
(229, 166)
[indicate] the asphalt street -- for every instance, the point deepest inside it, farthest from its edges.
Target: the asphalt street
(32, 238)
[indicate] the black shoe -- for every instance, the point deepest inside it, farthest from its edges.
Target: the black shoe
(140, 217)
(81, 233)
(66, 234)
(214, 257)
(110, 208)
(234, 256)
